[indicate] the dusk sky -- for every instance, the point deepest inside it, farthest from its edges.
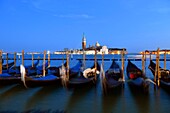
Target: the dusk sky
(37, 25)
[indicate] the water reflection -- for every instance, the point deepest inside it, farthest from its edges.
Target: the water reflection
(79, 100)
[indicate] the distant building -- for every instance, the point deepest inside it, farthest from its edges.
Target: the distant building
(155, 52)
(83, 42)
(91, 49)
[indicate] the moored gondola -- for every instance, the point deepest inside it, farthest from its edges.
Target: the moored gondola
(36, 81)
(164, 75)
(48, 79)
(136, 78)
(6, 67)
(15, 70)
(113, 77)
(84, 78)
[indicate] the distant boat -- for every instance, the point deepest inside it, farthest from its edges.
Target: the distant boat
(165, 75)
(136, 78)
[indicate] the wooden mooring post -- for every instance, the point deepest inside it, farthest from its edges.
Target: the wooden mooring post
(67, 68)
(44, 63)
(143, 63)
(15, 54)
(23, 57)
(0, 61)
(32, 59)
(48, 59)
(7, 60)
(157, 70)
(95, 61)
(165, 60)
(123, 64)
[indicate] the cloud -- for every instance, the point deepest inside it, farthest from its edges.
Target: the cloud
(85, 16)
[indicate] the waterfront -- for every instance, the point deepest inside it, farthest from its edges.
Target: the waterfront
(16, 98)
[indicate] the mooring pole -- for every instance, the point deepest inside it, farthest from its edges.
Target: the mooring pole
(44, 63)
(143, 63)
(48, 59)
(7, 60)
(95, 61)
(67, 54)
(158, 68)
(32, 59)
(165, 60)
(0, 61)
(123, 63)
(15, 54)
(23, 57)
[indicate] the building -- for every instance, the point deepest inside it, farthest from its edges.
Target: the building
(83, 42)
(155, 52)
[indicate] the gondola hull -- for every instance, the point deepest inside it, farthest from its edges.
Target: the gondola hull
(6, 79)
(164, 80)
(40, 82)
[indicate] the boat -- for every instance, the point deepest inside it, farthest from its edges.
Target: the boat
(36, 80)
(113, 77)
(72, 71)
(49, 79)
(136, 78)
(7, 79)
(164, 75)
(84, 78)
(6, 67)
(15, 70)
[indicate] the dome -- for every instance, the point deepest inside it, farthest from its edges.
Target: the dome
(97, 44)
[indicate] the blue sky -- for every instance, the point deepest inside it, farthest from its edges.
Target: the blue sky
(37, 25)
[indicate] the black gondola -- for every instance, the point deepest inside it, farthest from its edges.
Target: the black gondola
(85, 78)
(6, 67)
(49, 79)
(165, 75)
(113, 77)
(136, 78)
(15, 70)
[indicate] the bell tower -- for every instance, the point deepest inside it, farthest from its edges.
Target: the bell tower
(83, 42)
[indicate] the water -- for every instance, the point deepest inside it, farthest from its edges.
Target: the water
(16, 98)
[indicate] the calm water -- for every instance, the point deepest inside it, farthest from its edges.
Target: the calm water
(16, 98)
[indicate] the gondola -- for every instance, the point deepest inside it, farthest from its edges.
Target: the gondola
(165, 75)
(36, 81)
(7, 79)
(6, 67)
(84, 78)
(113, 77)
(15, 70)
(136, 78)
(49, 79)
